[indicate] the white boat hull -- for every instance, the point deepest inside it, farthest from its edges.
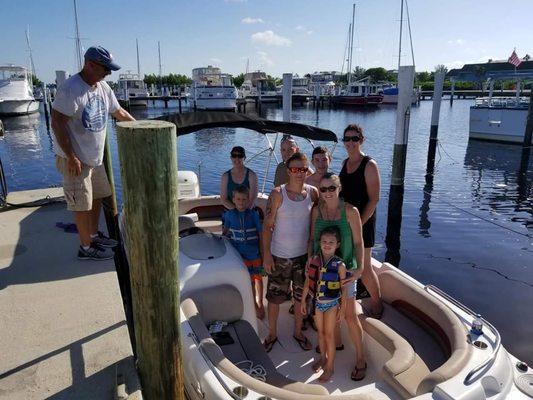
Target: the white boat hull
(18, 107)
(216, 104)
(498, 124)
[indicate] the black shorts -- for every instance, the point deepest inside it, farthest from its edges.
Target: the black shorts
(369, 232)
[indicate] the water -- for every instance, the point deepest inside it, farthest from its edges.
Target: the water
(470, 232)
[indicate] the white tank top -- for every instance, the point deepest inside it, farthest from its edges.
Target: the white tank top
(291, 229)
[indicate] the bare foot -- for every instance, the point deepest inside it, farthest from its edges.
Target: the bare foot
(317, 365)
(260, 312)
(326, 375)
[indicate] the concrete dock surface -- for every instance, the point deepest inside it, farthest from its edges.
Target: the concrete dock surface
(63, 333)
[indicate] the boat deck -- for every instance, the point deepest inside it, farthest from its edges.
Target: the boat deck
(63, 329)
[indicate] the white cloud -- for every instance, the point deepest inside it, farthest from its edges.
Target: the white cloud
(264, 59)
(250, 20)
(269, 38)
(301, 28)
(216, 60)
(457, 42)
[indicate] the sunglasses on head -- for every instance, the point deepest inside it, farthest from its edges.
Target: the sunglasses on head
(237, 155)
(352, 139)
(331, 188)
(294, 170)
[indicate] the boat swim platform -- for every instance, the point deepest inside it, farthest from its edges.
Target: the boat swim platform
(63, 331)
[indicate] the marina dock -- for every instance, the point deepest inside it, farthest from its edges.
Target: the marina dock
(64, 332)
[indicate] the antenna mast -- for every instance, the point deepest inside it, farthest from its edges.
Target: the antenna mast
(29, 49)
(350, 52)
(400, 45)
(79, 57)
(138, 63)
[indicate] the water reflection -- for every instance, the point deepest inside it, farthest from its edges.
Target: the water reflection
(501, 180)
(21, 135)
(394, 225)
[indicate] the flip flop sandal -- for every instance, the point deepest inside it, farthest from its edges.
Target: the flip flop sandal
(358, 374)
(268, 345)
(338, 348)
(378, 314)
(303, 342)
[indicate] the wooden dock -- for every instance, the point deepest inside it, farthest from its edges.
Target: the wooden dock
(63, 329)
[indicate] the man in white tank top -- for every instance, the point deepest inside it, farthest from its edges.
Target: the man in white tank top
(285, 239)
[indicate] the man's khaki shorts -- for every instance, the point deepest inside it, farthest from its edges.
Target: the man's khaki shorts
(81, 190)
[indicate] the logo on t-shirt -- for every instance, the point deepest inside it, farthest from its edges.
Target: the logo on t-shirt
(94, 116)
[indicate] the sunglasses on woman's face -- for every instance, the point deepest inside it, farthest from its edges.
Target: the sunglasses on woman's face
(330, 189)
(237, 155)
(295, 170)
(352, 139)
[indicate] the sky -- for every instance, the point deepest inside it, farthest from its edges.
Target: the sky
(276, 36)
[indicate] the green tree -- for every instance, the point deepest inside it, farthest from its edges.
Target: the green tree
(379, 74)
(36, 81)
(238, 80)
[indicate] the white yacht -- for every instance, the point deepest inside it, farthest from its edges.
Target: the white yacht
(130, 87)
(256, 84)
(500, 119)
(427, 345)
(213, 90)
(326, 81)
(16, 91)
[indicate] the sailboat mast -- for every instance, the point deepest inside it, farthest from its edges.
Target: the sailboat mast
(79, 57)
(400, 44)
(410, 36)
(351, 47)
(29, 49)
(138, 63)
(160, 72)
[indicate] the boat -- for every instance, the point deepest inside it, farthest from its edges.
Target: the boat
(129, 88)
(359, 93)
(500, 119)
(427, 345)
(256, 84)
(213, 90)
(326, 81)
(16, 91)
(390, 95)
(300, 89)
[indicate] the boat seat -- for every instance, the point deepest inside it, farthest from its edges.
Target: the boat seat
(438, 320)
(224, 303)
(213, 225)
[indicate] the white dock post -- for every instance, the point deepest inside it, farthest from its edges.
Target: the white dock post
(435, 113)
(287, 97)
(518, 91)
(406, 76)
(491, 89)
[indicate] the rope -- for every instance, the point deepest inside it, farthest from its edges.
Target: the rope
(256, 371)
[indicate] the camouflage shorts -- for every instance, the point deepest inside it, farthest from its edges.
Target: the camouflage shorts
(286, 271)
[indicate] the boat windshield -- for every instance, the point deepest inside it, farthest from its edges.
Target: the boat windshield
(12, 74)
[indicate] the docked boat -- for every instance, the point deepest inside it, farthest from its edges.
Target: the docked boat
(131, 87)
(256, 84)
(390, 95)
(16, 91)
(499, 119)
(213, 90)
(427, 345)
(359, 93)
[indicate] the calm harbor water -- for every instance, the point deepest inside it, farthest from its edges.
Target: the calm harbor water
(470, 232)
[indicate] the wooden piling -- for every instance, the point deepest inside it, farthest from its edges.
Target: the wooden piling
(45, 108)
(435, 113)
(148, 162)
(287, 97)
(526, 144)
(406, 75)
(452, 91)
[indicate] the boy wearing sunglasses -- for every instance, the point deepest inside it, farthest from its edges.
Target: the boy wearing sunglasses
(285, 236)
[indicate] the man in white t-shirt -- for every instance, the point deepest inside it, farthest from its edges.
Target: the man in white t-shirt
(79, 120)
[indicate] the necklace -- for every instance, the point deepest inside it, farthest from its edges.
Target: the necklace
(298, 196)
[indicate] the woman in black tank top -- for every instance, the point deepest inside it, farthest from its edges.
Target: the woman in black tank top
(360, 183)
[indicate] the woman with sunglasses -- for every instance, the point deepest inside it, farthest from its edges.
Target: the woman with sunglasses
(360, 187)
(238, 175)
(333, 211)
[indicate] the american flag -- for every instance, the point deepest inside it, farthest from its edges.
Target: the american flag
(514, 59)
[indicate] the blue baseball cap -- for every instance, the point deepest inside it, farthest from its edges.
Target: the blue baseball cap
(101, 56)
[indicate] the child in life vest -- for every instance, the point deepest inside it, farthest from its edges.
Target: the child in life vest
(243, 227)
(323, 282)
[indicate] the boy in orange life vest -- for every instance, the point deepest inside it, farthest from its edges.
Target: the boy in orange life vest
(243, 227)
(323, 277)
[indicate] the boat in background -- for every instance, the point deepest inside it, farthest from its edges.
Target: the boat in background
(129, 88)
(499, 119)
(256, 84)
(16, 91)
(213, 90)
(390, 95)
(359, 93)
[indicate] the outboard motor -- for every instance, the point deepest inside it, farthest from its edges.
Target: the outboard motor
(188, 185)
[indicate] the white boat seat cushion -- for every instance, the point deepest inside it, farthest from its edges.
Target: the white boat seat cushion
(219, 303)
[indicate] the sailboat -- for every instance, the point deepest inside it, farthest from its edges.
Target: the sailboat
(360, 92)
